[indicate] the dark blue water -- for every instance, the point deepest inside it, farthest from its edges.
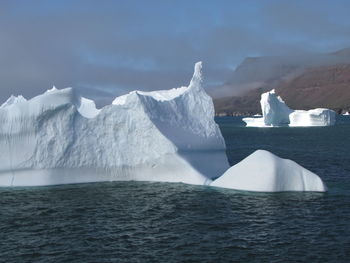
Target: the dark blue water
(160, 222)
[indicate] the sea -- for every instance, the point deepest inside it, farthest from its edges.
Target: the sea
(170, 222)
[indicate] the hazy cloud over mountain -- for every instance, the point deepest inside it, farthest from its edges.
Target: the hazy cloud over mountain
(106, 48)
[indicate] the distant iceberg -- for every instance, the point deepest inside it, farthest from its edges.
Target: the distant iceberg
(59, 137)
(276, 113)
(346, 113)
(315, 117)
(263, 171)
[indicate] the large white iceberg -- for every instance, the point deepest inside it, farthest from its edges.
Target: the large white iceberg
(59, 137)
(263, 171)
(276, 113)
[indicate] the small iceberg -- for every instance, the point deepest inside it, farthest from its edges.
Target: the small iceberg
(276, 113)
(315, 117)
(346, 113)
(263, 171)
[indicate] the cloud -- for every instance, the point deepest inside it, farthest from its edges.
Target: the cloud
(106, 48)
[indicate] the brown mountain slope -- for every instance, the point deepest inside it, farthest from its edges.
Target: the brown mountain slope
(324, 86)
(260, 72)
(247, 104)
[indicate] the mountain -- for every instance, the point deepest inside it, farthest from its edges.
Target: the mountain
(257, 72)
(246, 104)
(304, 82)
(325, 86)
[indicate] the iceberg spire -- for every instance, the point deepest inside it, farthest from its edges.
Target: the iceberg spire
(196, 80)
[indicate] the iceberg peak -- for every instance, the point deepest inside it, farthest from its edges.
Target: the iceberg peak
(197, 78)
(166, 95)
(52, 89)
(13, 100)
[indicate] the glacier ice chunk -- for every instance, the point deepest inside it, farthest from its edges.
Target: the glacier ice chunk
(274, 110)
(254, 122)
(276, 113)
(315, 117)
(60, 137)
(263, 171)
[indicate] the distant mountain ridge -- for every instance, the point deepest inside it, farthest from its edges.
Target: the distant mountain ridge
(303, 82)
(324, 86)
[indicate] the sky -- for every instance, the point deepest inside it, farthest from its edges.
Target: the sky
(108, 48)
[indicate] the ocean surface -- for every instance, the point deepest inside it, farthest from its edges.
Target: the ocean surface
(164, 222)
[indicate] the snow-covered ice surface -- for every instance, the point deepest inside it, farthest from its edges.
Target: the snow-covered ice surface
(263, 171)
(59, 137)
(255, 122)
(276, 114)
(13, 100)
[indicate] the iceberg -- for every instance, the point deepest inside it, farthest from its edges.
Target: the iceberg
(254, 122)
(274, 110)
(276, 113)
(263, 171)
(60, 137)
(346, 113)
(315, 117)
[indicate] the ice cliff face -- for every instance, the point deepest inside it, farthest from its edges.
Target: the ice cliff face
(59, 137)
(263, 171)
(277, 113)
